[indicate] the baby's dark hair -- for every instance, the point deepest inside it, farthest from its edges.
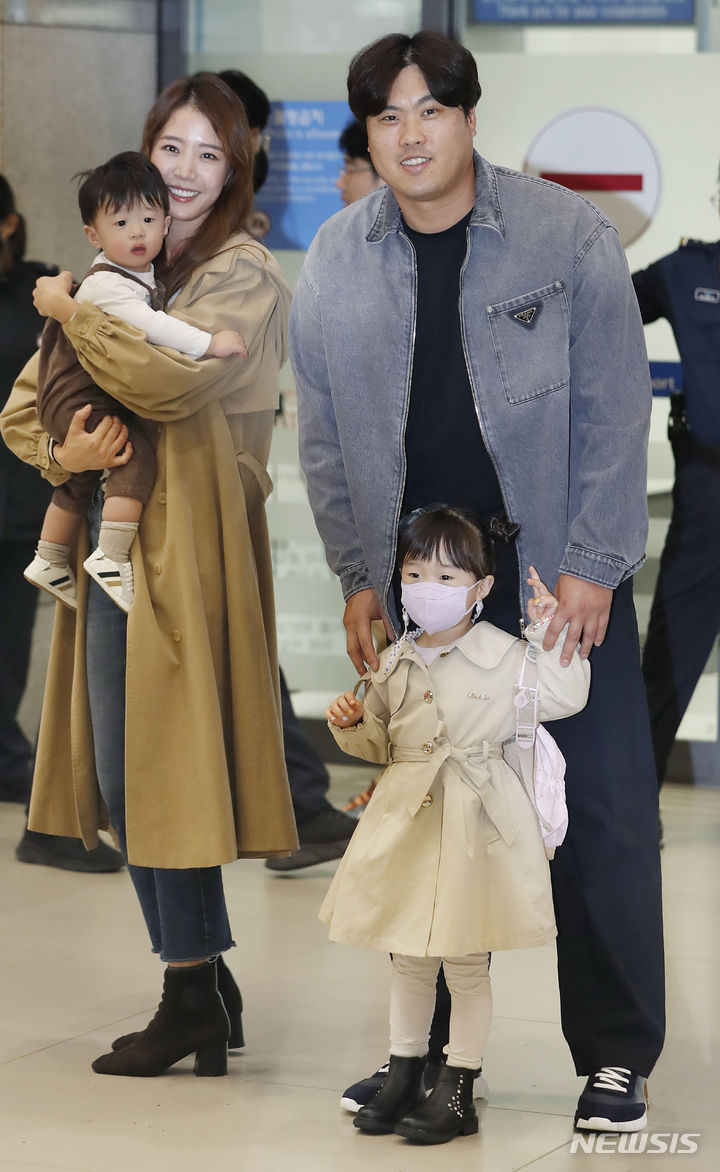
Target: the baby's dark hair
(128, 178)
(454, 532)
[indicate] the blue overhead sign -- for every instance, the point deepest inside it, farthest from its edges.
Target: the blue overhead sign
(304, 162)
(584, 11)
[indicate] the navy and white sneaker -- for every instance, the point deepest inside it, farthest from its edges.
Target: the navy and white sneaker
(56, 580)
(362, 1092)
(614, 1099)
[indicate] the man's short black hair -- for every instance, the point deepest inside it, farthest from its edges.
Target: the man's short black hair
(128, 178)
(448, 68)
(255, 100)
(353, 142)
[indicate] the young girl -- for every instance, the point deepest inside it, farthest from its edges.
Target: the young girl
(448, 862)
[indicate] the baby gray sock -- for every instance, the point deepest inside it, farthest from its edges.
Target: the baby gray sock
(57, 555)
(115, 539)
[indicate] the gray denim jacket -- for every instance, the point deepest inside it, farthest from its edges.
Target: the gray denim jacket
(556, 356)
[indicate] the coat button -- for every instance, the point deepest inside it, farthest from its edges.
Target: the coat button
(427, 800)
(176, 636)
(428, 697)
(162, 498)
(427, 747)
(157, 568)
(443, 654)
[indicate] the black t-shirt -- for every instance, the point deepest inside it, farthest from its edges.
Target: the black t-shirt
(445, 453)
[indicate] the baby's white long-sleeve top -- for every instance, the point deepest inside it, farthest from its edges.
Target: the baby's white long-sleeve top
(125, 298)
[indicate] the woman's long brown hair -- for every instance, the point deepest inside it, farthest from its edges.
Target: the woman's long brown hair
(210, 96)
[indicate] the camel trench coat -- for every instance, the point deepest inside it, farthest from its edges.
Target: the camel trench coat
(205, 771)
(448, 857)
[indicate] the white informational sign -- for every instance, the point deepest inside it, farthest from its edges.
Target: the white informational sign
(311, 635)
(605, 156)
(300, 560)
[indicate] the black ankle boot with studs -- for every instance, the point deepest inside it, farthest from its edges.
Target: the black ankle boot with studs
(448, 1111)
(232, 1000)
(191, 1018)
(401, 1092)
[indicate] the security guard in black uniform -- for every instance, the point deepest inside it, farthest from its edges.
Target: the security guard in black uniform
(684, 288)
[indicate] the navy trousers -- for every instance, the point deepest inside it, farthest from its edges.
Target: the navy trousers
(19, 603)
(309, 779)
(606, 875)
(684, 616)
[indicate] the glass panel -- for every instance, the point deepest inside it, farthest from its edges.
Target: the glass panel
(125, 15)
(227, 28)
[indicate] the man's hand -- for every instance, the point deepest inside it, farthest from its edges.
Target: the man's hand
(586, 608)
(361, 610)
(51, 296)
(105, 447)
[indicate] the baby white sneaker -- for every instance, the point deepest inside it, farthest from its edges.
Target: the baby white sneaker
(115, 578)
(56, 580)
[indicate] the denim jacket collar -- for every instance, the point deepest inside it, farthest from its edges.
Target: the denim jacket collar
(487, 212)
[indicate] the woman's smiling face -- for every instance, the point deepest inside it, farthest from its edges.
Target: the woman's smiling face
(194, 165)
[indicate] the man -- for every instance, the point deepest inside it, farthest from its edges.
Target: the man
(358, 176)
(257, 108)
(24, 496)
(684, 288)
(471, 335)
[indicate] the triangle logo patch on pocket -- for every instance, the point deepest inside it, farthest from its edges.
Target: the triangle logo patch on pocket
(527, 316)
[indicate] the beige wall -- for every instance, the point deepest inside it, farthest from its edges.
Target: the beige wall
(69, 99)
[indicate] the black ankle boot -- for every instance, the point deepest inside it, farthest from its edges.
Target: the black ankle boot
(401, 1092)
(448, 1111)
(190, 1018)
(232, 1000)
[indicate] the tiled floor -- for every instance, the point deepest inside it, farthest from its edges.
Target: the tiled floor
(75, 972)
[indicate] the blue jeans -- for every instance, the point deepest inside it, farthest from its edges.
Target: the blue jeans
(184, 909)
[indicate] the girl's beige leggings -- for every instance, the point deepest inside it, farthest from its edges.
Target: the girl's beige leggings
(412, 1001)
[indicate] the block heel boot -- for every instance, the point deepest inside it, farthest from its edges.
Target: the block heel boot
(448, 1111)
(232, 1000)
(191, 1018)
(401, 1092)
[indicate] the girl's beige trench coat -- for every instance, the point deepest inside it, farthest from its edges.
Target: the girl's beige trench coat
(439, 867)
(205, 771)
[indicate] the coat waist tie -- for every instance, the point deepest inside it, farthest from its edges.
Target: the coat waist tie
(470, 765)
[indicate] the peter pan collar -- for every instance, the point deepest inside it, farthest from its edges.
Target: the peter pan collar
(484, 645)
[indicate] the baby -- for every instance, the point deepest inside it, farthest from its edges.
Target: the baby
(124, 206)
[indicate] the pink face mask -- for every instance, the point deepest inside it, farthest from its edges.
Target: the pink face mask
(436, 607)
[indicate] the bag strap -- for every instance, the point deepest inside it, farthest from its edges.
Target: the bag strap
(526, 699)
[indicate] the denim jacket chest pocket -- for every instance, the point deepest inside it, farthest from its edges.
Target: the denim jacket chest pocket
(531, 339)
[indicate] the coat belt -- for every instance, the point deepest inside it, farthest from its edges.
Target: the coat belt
(470, 765)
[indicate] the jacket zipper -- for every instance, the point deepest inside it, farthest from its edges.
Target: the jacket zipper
(408, 383)
(488, 449)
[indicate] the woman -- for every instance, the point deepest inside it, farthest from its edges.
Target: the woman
(180, 699)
